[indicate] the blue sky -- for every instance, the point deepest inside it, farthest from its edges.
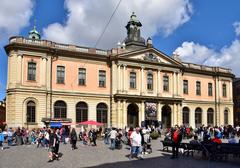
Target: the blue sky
(200, 31)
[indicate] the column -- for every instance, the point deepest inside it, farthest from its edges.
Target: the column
(158, 83)
(192, 118)
(124, 112)
(159, 111)
(142, 81)
(19, 68)
(118, 114)
(174, 84)
(230, 91)
(142, 112)
(124, 78)
(43, 71)
(180, 119)
(178, 84)
(204, 117)
(119, 78)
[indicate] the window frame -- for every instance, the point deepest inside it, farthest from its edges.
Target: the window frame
(31, 76)
(61, 79)
(224, 90)
(198, 88)
(133, 80)
(82, 111)
(82, 73)
(210, 91)
(166, 87)
(185, 86)
(31, 112)
(150, 81)
(102, 75)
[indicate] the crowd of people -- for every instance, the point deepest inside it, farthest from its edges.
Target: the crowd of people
(137, 138)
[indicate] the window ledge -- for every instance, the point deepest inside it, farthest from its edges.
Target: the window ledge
(31, 123)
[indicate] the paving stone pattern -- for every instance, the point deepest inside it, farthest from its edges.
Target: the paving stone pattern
(101, 156)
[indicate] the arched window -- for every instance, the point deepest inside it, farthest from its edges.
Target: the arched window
(60, 109)
(198, 117)
(31, 112)
(210, 116)
(225, 117)
(185, 116)
(150, 81)
(102, 111)
(81, 112)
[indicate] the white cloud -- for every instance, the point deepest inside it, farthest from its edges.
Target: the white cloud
(87, 18)
(237, 28)
(228, 56)
(14, 15)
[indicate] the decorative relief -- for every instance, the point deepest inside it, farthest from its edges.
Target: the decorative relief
(151, 57)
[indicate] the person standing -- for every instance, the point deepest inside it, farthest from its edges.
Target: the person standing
(94, 137)
(1, 139)
(176, 140)
(73, 138)
(58, 138)
(136, 144)
(113, 136)
(52, 145)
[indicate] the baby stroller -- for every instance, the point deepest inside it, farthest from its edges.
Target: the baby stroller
(118, 143)
(147, 147)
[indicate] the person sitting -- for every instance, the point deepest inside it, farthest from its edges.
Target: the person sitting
(195, 140)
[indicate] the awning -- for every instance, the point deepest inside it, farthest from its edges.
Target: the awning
(55, 124)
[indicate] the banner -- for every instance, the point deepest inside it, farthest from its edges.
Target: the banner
(150, 110)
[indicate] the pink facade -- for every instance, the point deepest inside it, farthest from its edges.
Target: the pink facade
(204, 80)
(71, 76)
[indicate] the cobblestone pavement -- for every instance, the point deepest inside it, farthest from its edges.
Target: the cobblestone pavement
(87, 156)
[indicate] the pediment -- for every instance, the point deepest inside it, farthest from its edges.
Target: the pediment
(151, 55)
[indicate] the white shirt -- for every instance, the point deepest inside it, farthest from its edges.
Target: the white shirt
(113, 134)
(136, 139)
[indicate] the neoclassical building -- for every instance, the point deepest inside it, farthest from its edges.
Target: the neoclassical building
(124, 86)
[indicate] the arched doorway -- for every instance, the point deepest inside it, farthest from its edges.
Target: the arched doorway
(132, 115)
(210, 115)
(185, 116)
(198, 117)
(166, 116)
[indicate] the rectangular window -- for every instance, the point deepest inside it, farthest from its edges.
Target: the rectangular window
(210, 89)
(132, 80)
(224, 90)
(198, 88)
(82, 76)
(60, 74)
(165, 83)
(185, 86)
(102, 78)
(32, 71)
(150, 81)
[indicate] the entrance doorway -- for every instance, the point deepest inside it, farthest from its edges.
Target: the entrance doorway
(166, 116)
(132, 115)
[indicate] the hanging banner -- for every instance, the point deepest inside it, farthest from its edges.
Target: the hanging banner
(150, 110)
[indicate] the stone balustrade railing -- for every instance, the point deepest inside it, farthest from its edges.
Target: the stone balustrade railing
(207, 68)
(47, 43)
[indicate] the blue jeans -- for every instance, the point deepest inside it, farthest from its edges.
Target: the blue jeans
(113, 144)
(9, 141)
(106, 140)
(136, 150)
